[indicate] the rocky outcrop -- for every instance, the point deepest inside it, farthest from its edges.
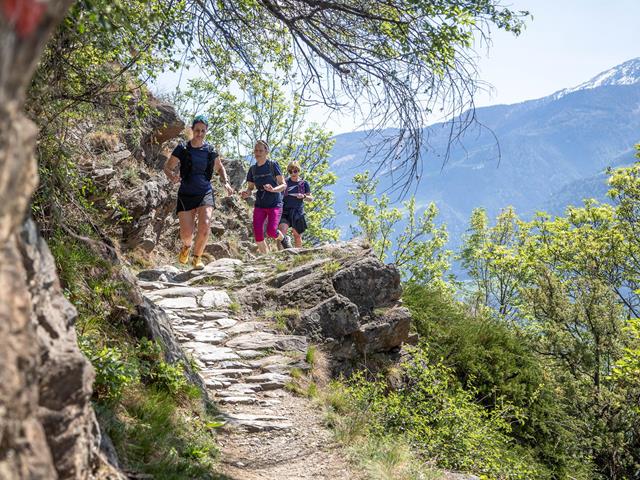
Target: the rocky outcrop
(164, 125)
(48, 426)
(65, 376)
(345, 297)
(150, 206)
(369, 284)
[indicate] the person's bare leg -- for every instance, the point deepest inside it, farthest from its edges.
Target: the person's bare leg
(204, 228)
(297, 238)
(262, 247)
(187, 223)
(283, 227)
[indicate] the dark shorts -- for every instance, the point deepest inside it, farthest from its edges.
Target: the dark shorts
(190, 202)
(294, 218)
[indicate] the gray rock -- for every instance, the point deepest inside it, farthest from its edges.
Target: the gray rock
(369, 284)
(226, 322)
(212, 315)
(149, 205)
(289, 276)
(153, 275)
(238, 400)
(231, 364)
(385, 333)
(176, 292)
(269, 381)
(215, 299)
(217, 250)
(332, 318)
(265, 340)
(178, 303)
(258, 423)
(218, 354)
(211, 335)
(227, 372)
(245, 327)
(249, 353)
(46, 381)
(240, 389)
(236, 171)
(217, 228)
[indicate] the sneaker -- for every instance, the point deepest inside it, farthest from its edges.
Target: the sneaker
(197, 263)
(184, 255)
(286, 242)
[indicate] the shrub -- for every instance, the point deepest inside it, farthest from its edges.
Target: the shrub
(113, 372)
(442, 422)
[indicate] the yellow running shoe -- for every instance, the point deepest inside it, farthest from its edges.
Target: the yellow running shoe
(184, 255)
(197, 262)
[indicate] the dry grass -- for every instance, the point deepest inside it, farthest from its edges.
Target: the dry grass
(100, 142)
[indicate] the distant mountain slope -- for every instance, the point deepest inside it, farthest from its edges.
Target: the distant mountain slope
(553, 151)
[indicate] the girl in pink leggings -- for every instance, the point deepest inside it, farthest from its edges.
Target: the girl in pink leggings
(266, 177)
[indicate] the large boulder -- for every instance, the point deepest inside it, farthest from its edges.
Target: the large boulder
(236, 171)
(334, 318)
(164, 125)
(149, 205)
(369, 283)
(386, 332)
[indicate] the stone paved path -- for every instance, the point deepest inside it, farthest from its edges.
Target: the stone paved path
(246, 363)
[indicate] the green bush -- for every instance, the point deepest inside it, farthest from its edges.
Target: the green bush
(156, 372)
(443, 423)
(113, 372)
(498, 363)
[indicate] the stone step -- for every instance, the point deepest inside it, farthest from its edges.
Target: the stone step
(239, 389)
(239, 400)
(266, 340)
(258, 423)
(227, 372)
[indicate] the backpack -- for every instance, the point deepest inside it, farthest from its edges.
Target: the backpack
(272, 169)
(186, 163)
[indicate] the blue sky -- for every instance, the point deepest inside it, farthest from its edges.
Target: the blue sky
(566, 43)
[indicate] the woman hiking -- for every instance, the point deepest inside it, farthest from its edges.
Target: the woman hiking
(266, 177)
(197, 160)
(296, 193)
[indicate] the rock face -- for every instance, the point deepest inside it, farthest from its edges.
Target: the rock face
(354, 310)
(369, 284)
(149, 205)
(55, 433)
(47, 428)
(162, 127)
(65, 376)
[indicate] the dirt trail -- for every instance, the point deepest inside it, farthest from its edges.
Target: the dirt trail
(245, 364)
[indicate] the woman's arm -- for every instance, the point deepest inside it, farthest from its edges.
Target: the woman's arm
(281, 185)
(246, 193)
(170, 169)
(219, 168)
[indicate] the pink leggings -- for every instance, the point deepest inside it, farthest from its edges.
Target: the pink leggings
(272, 216)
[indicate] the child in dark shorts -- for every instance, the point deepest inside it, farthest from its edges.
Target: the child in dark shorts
(297, 192)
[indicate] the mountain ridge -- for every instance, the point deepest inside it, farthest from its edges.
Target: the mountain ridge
(545, 147)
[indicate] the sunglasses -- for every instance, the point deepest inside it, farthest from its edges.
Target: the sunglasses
(294, 171)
